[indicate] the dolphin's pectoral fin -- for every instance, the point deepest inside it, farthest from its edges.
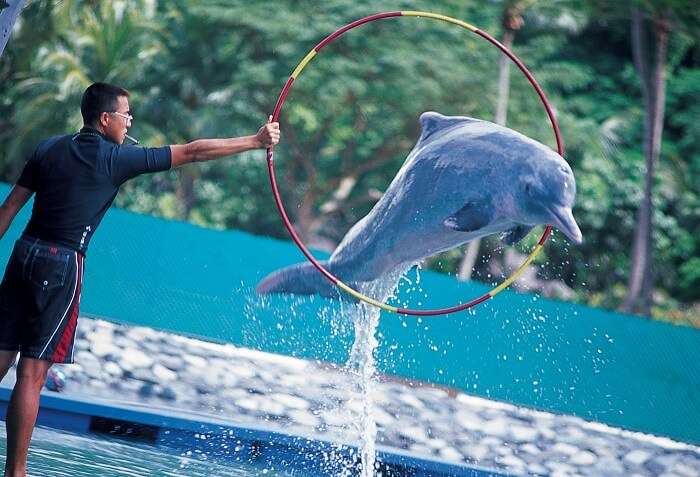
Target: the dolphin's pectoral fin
(471, 217)
(515, 234)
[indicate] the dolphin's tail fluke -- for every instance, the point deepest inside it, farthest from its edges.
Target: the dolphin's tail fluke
(299, 279)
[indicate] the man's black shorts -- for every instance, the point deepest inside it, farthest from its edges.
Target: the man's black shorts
(39, 300)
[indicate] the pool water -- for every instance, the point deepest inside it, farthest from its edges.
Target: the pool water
(55, 454)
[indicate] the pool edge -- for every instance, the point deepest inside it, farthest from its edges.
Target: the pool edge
(176, 430)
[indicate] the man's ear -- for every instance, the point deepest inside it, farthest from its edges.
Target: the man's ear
(104, 119)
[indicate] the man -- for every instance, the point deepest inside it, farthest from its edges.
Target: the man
(75, 178)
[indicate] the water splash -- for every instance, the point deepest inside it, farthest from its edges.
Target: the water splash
(360, 368)
(362, 364)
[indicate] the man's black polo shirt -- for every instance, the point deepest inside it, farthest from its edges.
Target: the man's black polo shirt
(76, 179)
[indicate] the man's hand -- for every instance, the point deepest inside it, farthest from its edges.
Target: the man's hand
(268, 135)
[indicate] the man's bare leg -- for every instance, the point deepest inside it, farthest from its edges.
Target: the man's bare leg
(21, 413)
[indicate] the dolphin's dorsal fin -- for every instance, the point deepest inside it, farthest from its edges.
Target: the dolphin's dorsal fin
(431, 122)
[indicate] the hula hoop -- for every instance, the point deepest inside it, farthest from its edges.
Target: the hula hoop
(290, 228)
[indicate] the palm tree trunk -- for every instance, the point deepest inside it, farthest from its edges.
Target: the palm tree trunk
(9, 11)
(640, 285)
(471, 254)
(504, 80)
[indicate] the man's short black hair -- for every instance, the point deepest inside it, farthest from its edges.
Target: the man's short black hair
(98, 98)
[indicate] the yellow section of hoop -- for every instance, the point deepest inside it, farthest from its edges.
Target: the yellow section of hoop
(366, 299)
(411, 13)
(514, 276)
(303, 63)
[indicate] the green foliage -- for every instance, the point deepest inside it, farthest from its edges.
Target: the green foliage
(213, 68)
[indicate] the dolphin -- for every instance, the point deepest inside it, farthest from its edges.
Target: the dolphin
(464, 179)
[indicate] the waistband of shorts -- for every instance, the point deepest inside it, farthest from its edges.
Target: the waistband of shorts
(33, 241)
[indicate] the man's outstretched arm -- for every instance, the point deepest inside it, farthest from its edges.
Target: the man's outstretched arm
(13, 203)
(208, 149)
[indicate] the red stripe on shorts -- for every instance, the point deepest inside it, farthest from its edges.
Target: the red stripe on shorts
(67, 337)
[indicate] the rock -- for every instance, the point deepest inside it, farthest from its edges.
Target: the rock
(141, 334)
(134, 358)
(496, 427)
(90, 365)
(249, 404)
(272, 408)
(86, 359)
(150, 347)
(656, 465)
(436, 443)
(566, 449)
(530, 449)
(100, 337)
(147, 390)
(233, 394)
(491, 441)
(97, 384)
(289, 401)
(103, 325)
(290, 380)
(337, 418)
(303, 417)
(523, 434)
(608, 466)
(547, 433)
(583, 458)
(536, 469)
(469, 420)
(421, 449)
(685, 470)
(411, 400)
(382, 418)
(141, 374)
(476, 452)
(163, 374)
(560, 468)
(211, 380)
(450, 454)
(113, 369)
(228, 380)
(168, 394)
(637, 457)
(512, 462)
(572, 434)
(130, 386)
(173, 363)
(195, 361)
(81, 344)
(414, 433)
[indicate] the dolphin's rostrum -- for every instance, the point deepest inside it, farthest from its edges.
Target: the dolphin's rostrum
(464, 179)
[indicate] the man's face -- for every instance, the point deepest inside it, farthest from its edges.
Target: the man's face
(117, 123)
